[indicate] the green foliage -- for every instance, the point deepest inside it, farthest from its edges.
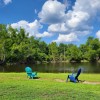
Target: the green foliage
(74, 54)
(53, 51)
(62, 49)
(91, 49)
(18, 46)
(3, 37)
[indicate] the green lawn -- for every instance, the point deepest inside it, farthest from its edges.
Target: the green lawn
(50, 86)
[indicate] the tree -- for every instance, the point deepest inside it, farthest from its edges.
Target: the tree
(53, 51)
(84, 49)
(3, 37)
(74, 54)
(18, 46)
(62, 49)
(93, 45)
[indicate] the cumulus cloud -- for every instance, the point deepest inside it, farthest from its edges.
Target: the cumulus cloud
(78, 20)
(70, 24)
(98, 34)
(7, 1)
(89, 6)
(52, 12)
(31, 28)
(58, 28)
(67, 38)
(44, 34)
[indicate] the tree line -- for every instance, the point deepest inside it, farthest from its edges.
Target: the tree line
(16, 46)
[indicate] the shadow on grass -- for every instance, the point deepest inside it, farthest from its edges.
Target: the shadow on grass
(35, 78)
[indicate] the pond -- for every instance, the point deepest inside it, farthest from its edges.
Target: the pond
(54, 67)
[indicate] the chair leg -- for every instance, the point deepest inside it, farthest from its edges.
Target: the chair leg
(67, 78)
(77, 79)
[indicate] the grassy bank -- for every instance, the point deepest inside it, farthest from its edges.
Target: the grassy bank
(50, 86)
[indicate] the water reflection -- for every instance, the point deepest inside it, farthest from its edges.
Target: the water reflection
(55, 67)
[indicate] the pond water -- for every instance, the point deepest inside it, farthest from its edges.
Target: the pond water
(54, 67)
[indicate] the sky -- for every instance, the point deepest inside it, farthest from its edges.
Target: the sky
(61, 21)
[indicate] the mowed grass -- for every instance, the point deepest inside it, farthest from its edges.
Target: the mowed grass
(50, 86)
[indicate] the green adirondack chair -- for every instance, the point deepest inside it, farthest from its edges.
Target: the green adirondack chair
(30, 74)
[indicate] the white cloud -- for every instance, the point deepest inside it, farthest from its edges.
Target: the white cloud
(67, 38)
(44, 34)
(31, 28)
(98, 34)
(52, 12)
(71, 25)
(89, 6)
(79, 20)
(58, 28)
(74, 20)
(7, 1)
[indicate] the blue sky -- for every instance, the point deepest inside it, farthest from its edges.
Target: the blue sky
(61, 21)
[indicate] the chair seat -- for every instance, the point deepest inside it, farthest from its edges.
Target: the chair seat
(72, 78)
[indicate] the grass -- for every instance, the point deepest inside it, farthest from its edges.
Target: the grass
(50, 86)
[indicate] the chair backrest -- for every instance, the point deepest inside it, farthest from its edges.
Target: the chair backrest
(78, 73)
(28, 70)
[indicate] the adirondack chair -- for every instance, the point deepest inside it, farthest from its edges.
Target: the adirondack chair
(74, 77)
(30, 74)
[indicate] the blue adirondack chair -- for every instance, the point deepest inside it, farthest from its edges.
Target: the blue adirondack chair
(29, 72)
(74, 77)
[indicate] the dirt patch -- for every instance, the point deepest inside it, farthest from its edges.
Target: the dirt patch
(83, 82)
(94, 83)
(59, 80)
